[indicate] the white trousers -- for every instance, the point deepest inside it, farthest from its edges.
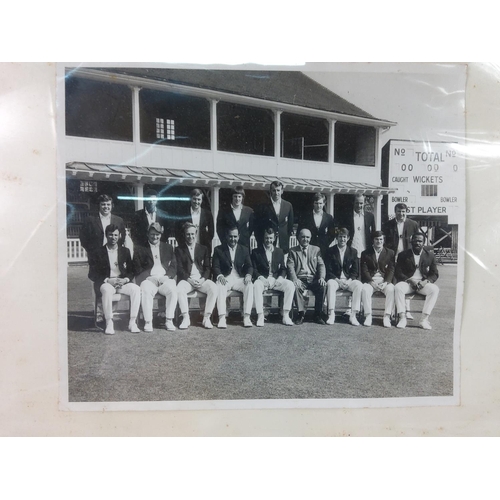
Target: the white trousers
(285, 286)
(366, 297)
(209, 288)
(431, 292)
(355, 287)
(130, 289)
(164, 286)
(238, 285)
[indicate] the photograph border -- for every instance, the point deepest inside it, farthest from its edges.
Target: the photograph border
(65, 404)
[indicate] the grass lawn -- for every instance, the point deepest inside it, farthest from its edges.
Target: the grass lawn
(273, 362)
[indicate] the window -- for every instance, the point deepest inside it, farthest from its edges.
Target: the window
(160, 128)
(171, 130)
(88, 187)
(98, 110)
(304, 138)
(171, 119)
(429, 190)
(354, 144)
(245, 129)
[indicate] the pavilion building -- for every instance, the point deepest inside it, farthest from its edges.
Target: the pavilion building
(130, 129)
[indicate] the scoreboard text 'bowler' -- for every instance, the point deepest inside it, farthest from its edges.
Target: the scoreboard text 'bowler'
(428, 177)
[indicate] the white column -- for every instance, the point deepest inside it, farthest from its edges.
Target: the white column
(136, 123)
(378, 166)
(139, 194)
(378, 156)
(331, 208)
(213, 124)
(214, 205)
(331, 144)
(277, 133)
(378, 211)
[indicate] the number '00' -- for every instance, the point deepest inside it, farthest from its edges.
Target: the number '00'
(409, 167)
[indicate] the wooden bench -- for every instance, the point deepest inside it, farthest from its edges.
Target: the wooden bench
(121, 308)
(273, 301)
(411, 296)
(195, 294)
(344, 295)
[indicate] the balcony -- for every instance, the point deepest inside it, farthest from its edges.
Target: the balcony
(139, 127)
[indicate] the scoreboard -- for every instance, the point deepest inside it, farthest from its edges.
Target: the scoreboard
(429, 178)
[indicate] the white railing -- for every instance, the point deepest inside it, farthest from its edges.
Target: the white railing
(76, 253)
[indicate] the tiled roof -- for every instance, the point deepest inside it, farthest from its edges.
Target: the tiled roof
(289, 87)
(221, 179)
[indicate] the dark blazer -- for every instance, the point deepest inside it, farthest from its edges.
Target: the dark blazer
(261, 264)
(92, 232)
(221, 262)
(265, 217)
(206, 230)
(369, 227)
(321, 237)
(185, 263)
(143, 261)
(226, 219)
(314, 259)
(385, 264)
(405, 266)
(100, 269)
(140, 226)
(391, 234)
(350, 266)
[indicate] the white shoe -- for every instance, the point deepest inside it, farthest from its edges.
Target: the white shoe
(287, 320)
(207, 323)
(387, 321)
(331, 319)
(133, 327)
(368, 320)
(169, 325)
(353, 320)
(185, 322)
(425, 324)
(247, 323)
(222, 323)
(401, 323)
(148, 326)
(260, 320)
(109, 328)
(409, 315)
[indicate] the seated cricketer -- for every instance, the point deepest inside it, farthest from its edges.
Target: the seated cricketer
(155, 268)
(342, 272)
(193, 273)
(377, 273)
(416, 271)
(232, 270)
(111, 270)
(270, 274)
(306, 269)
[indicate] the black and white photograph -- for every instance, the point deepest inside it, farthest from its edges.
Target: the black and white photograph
(260, 237)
